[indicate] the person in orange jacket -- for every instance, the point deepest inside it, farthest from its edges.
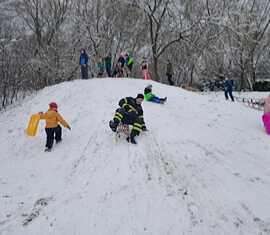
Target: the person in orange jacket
(52, 128)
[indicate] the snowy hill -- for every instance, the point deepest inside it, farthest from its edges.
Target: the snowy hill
(202, 168)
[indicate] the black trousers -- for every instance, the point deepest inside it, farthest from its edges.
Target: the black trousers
(129, 118)
(84, 71)
(109, 72)
(53, 133)
(169, 77)
(230, 94)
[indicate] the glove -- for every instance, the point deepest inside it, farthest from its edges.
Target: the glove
(68, 127)
(144, 128)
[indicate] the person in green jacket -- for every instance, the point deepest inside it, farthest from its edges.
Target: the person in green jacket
(100, 66)
(108, 64)
(129, 63)
(149, 96)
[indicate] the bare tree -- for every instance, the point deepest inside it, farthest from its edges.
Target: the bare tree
(158, 15)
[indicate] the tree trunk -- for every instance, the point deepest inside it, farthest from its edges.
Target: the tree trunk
(156, 76)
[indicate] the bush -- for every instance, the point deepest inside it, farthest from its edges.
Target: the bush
(262, 86)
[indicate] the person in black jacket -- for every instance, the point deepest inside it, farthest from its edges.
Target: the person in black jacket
(108, 64)
(130, 113)
(228, 85)
(169, 73)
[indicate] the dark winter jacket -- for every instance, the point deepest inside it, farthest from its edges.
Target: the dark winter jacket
(122, 61)
(169, 70)
(130, 105)
(108, 62)
(228, 85)
(83, 59)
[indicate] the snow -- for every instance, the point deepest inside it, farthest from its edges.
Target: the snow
(202, 168)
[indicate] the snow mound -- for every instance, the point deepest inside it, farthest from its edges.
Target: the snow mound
(202, 168)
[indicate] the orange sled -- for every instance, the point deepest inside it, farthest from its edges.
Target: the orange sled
(33, 125)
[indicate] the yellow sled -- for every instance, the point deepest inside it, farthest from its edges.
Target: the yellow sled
(33, 125)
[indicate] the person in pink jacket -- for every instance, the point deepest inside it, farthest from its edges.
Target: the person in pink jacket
(266, 115)
(145, 71)
(266, 106)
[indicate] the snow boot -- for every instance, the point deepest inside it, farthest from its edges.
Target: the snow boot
(144, 128)
(162, 101)
(113, 125)
(48, 149)
(133, 141)
(131, 138)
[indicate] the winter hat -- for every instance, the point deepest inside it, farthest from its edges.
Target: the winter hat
(149, 86)
(140, 96)
(53, 105)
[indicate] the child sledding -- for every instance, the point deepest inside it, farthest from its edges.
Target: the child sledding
(149, 96)
(130, 113)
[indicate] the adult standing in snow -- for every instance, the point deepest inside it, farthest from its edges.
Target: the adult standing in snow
(84, 64)
(169, 73)
(130, 113)
(108, 64)
(266, 115)
(121, 60)
(228, 85)
(100, 66)
(118, 71)
(52, 128)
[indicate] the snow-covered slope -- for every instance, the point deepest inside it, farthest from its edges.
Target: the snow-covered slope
(202, 168)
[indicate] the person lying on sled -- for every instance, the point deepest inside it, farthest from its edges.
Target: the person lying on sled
(149, 96)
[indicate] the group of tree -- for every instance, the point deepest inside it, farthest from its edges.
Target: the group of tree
(40, 40)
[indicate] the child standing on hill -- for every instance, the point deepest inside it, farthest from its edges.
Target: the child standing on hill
(145, 71)
(52, 128)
